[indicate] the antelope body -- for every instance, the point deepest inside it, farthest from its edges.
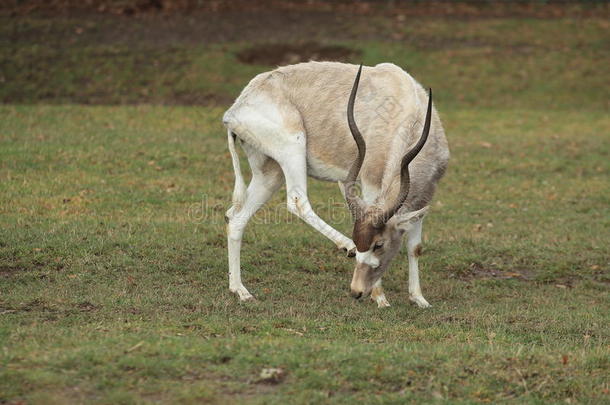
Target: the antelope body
(296, 121)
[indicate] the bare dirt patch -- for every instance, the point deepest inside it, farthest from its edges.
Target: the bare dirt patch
(86, 306)
(36, 305)
(286, 54)
(8, 271)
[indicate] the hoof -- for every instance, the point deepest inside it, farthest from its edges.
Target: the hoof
(383, 303)
(246, 298)
(420, 301)
(244, 295)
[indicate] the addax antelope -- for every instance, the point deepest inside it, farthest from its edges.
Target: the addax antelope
(292, 122)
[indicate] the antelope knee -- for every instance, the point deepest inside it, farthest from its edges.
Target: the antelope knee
(232, 211)
(297, 204)
(235, 228)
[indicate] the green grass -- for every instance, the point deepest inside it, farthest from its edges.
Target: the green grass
(113, 273)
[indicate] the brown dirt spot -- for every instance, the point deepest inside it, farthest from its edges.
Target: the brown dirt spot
(86, 306)
(287, 54)
(37, 305)
(8, 271)
(478, 271)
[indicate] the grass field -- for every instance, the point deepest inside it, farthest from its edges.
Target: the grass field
(113, 273)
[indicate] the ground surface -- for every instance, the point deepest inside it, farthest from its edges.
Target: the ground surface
(113, 276)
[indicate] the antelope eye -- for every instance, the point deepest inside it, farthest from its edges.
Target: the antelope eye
(378, 245)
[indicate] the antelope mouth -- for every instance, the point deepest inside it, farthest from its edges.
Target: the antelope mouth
(358, 295)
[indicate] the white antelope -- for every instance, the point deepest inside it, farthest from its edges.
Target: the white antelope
(292, 123)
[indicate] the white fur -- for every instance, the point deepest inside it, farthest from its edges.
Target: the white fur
(260, 125)
(413, 241)
(259, 191)
(380, 298)
(320, 170)
(367, 258)
(292, 122)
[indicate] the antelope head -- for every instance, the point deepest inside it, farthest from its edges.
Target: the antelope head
(378, 231)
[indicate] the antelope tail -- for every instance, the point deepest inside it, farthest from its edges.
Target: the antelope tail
(239, 191)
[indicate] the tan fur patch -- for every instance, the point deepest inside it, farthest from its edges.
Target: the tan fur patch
(376, 292)
(418, 251)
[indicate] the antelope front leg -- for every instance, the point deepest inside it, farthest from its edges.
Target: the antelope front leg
(414, 251)
(378, 295)
(298, 203)
(235, 284)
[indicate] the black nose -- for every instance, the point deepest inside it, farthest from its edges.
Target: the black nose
(356, 294)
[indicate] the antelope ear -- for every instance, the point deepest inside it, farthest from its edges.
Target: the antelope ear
(404, 220)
